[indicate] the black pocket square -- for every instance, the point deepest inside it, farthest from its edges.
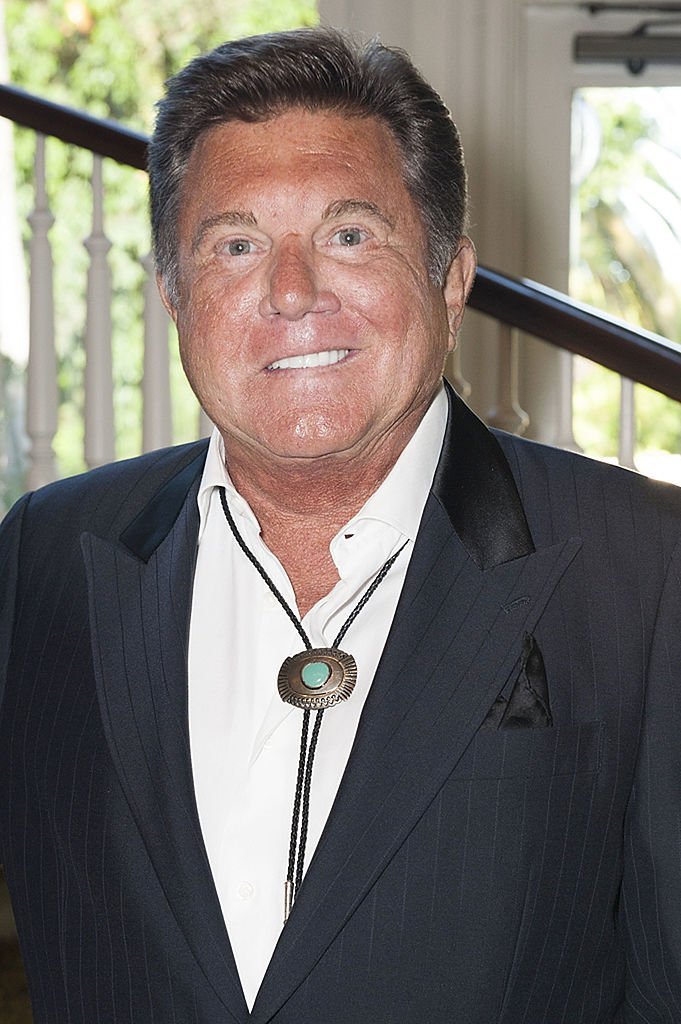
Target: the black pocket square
(527, 706)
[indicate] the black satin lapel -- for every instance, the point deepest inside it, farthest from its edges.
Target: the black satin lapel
(475, 486)
(457, 635)
(139, 615)
(154, 522)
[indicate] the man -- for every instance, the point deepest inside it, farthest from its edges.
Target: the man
(486, 828)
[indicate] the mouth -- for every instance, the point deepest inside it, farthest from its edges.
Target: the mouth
(310, 360)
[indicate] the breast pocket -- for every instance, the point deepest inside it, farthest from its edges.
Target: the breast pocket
(532, 753)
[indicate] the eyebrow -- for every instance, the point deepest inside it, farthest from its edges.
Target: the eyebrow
(229, 218)
(346, 207)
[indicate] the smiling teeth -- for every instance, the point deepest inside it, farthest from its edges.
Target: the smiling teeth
(311, 359)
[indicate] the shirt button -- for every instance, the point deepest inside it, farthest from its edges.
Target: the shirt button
(245, 890)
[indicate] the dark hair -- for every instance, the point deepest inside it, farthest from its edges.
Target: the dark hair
(259, 77)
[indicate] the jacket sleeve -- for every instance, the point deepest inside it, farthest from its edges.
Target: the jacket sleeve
(650, 908)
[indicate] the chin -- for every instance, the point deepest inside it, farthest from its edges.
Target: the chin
(309, 437)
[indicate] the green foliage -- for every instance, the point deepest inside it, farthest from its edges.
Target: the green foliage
(629, 249)
(595, 409)
(111, 58)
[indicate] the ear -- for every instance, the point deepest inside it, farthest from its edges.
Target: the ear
(458, 284)
(165, 298)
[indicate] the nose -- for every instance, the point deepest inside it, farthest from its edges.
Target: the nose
(293, 287)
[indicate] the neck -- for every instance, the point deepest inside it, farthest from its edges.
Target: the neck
(318, 495)
(301, 504)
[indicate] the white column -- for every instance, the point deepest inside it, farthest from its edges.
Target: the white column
(157, 423)
(99, 418)
(41, 404)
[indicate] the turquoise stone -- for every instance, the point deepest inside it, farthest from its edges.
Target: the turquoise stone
(315, 674)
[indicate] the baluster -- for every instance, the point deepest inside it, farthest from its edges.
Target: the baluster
(41, 405)
(99, 418)
(627, 441)
(157, 423)
(565, 437)
(507, 413)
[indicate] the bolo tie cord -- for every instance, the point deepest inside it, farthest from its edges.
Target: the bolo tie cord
(301, 801)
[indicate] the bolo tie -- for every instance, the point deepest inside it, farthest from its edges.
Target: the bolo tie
(315, 679)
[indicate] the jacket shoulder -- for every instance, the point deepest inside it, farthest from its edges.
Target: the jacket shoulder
(575, 493)
(107, 498)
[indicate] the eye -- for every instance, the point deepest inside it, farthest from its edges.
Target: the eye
(239, 247)
(350, 236)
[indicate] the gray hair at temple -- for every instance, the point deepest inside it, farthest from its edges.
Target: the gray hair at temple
(257, 78)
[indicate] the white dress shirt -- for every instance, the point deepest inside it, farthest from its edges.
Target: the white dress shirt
(244, 739)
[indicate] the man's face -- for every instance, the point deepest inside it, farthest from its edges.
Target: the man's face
(308, 325)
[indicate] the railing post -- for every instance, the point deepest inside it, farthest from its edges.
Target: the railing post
(507, 413)
(157, 423)
(99, 418)
(627, 440)
(41, 404)
(565, 437)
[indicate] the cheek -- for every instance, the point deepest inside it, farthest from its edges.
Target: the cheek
(393, 296)
(213, 300)
(212, 329)
(412, 326)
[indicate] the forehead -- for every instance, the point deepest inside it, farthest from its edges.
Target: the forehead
(299, 155)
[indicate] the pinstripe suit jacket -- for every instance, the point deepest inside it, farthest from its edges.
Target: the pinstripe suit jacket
(465, 875)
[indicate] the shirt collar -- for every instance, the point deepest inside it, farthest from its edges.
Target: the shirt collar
(397, 502)
(400, 499)
(215, 475)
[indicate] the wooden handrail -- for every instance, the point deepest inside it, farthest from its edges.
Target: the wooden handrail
(550, 315)
(526, 305)
(106, 138)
